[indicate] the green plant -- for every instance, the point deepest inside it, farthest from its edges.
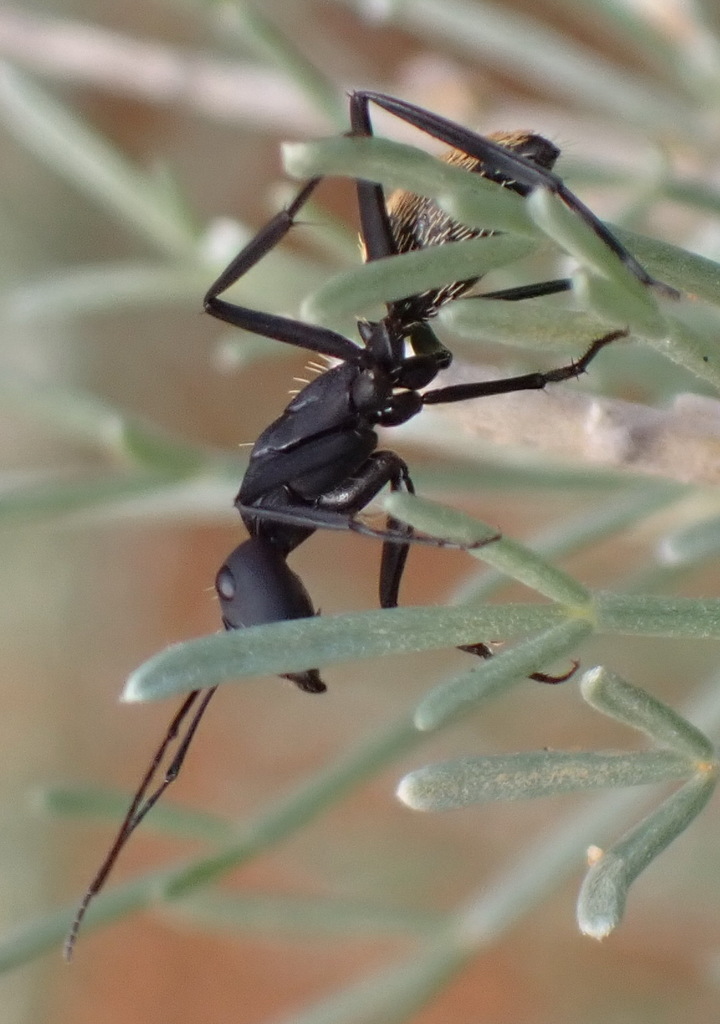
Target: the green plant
(644, 481)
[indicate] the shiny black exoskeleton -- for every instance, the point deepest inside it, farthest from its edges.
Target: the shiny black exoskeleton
(317, 466)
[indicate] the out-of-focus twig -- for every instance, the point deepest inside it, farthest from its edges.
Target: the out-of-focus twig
(680, 442)
(85, 54)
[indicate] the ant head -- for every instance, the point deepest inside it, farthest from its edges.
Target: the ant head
(256, 586)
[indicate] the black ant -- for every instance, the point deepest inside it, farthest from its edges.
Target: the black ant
(317, 466)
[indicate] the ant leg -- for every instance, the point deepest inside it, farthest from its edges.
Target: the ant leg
(485, 651)
(392, 566)
(139, 805)
(383, 467)
(376, 234)
(312, 518)
(269, 325)
(337, 508)
(524, 382)
(378, 240)
(394, 556)
(266, 239)
(525, 174)
(527, 291)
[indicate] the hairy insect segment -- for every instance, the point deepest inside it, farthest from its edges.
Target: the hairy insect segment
(318, 465)
(417, 222)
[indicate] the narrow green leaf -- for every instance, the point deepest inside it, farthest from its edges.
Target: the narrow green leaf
(601, 903)
(608, 286)
(307, 643)
(570, 535)
(96, 802)
(638, 26)
(147, 446)
(384, 280)
(57, 497)
(504, 554)
(652, 179)
(499, 673)
(273, 823)
(693, 274)
(108, 288)
(298, 916)
(692, 349)
(394, 993)
(537, 773)
(613, 696)
(72, 414)
(607, 517)
(48, 932)
(545, 326)
(656, 615)
(254, 29)
(396, 165)
(549, 61)
(619, 305)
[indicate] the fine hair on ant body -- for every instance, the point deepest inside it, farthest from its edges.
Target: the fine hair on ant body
(317, 466)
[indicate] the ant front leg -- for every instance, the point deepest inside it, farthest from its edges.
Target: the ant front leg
(260, 245)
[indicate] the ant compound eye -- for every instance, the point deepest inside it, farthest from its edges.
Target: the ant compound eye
(225, 584)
